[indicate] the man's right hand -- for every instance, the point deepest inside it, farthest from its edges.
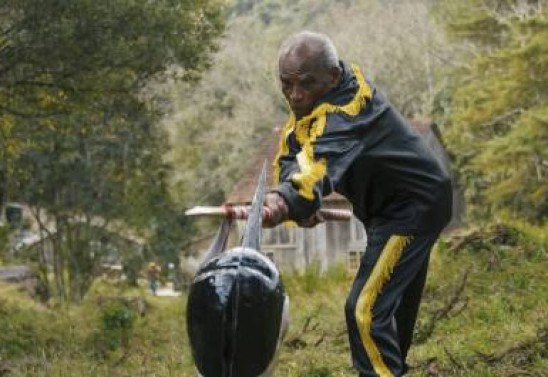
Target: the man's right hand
(279, 211)
(312, 221)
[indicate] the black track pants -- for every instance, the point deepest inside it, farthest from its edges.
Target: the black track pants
(382, 306)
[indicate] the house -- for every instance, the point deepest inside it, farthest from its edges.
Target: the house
(293, 248)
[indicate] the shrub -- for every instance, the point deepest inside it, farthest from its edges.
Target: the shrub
(117, 318)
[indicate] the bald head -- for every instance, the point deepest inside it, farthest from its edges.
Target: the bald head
(315, 47)
(309, 69)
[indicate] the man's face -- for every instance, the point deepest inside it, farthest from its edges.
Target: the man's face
(303, 82)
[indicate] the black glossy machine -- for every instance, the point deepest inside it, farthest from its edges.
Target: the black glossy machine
(237, 312)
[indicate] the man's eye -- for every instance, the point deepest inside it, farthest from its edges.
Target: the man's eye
(308, 83)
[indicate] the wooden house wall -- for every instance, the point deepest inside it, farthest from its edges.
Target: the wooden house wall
(293, 248)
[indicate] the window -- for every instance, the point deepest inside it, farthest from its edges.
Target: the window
(353, 260)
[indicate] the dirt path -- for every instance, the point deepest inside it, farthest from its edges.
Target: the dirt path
(167, 291)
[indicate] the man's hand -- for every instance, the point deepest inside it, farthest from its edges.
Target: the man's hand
(279, 211)
(312, 221)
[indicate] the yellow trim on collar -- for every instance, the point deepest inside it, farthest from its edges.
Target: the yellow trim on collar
(308, 129)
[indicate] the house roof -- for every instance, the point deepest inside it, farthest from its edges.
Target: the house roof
(243, 190)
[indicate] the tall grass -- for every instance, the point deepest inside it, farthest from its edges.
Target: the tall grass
(496, 327)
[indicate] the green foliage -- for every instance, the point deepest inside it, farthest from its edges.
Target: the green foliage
(496, 326)
(473, 20)
(498, 107)
(308, 281)
(79, 139)
(117, 320)
(24, 327)
(533, 237)
(16, 336)
(312, 279)
(315, 371)
(4, 241)
(338, 273)
(131, 267)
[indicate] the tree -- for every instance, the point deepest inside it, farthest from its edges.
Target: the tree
(497, 108)
(80, 140)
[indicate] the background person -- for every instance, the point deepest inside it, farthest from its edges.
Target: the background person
(153, 273)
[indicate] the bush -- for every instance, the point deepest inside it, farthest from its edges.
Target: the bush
(23, 330)
(117, 318)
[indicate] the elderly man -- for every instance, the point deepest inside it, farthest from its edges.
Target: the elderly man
(343, 135)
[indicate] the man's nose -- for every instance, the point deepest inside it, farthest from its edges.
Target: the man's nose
(296, 94)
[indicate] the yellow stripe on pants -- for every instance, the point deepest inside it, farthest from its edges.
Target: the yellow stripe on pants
(388, 259)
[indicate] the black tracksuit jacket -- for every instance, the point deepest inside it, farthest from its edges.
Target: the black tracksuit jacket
(378, 162)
